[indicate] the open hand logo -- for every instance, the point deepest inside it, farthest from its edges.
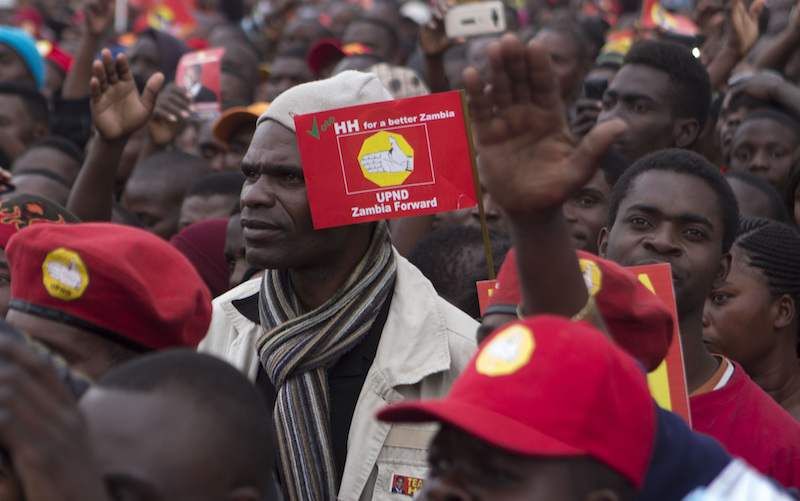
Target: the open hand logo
(386, 159)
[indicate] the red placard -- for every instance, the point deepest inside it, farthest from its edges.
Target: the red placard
(668, 382)
(199, 73)
(399, 158)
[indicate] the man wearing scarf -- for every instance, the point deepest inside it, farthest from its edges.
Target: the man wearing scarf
(340, 324)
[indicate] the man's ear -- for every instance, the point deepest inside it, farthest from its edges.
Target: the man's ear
(685, 131)
(784, 311)
(244, 494)
(602, 242)
(723, 270)
(603, 495)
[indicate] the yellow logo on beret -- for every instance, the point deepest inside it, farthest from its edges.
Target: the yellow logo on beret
(64, 274)
(507, 352)
(592, 276)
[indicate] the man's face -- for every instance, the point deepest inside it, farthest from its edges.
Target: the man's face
(371, 36)
(201, 208)
(738, 318)
(238, 142)
(153, 203)
(211, 150)
(286, 73)
(465, 468)
(641, 96)
(764, 148)
(13, 68)
(15, 120)
(672, 218)
(276, 218)
(173, 463)
(728, 123)
(566, 63)
(587, 212)
(191, 77)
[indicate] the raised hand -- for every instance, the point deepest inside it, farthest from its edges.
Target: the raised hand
(173, 107)
(99, 16)
(117, 109)
(743, 24)
(531, 163)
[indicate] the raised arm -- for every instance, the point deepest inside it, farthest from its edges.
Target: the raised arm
(117, 111)
(532, 165)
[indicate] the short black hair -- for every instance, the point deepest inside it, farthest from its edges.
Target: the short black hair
(776, 206)
(222, 393)
(687, 75)
(782, 117)
(34, 101)
(61, 144)
(687, 162)
(219, 183)
(453, 259)
(613, 164)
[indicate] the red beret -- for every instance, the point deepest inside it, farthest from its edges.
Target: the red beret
(114, 280)
(637, 320)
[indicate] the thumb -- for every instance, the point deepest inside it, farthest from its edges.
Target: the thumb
(151, 89)
(756, 8)
(393, 142)
(597, 142)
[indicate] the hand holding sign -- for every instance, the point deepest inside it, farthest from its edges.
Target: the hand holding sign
(392, 160)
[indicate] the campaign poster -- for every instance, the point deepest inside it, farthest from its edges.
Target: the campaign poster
(405, 485)
(668, 382)
(407, 157)
(199, 73)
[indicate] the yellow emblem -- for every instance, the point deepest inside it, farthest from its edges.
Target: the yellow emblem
(64, 274)
(386, 159)
(592, 276)
(510, 350)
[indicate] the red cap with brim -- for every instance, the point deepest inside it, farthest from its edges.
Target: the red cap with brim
(549, 387)
(637, 320)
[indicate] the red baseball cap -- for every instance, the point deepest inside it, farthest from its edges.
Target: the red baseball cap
(116, 281)
(549, 387)
(637, 320)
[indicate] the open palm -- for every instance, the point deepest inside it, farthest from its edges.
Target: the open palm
(531, 163)
(117, 109)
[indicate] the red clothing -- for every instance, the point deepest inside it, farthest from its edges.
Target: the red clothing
(751, 425)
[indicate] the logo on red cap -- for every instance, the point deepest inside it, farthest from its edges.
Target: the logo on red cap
(592, 276)
(510, 350)
(64, 274)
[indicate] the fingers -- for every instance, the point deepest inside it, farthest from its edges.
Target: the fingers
(100, 77)
(36, 366)
(541, 77)
(110, 67)
(756, 8)
(151, 89)
(506, 67)
(596, 143)
(480, 110)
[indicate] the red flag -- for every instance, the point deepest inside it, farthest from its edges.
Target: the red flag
(655, 16)
(399, 158)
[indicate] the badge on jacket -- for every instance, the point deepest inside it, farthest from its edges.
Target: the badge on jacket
(405, 485)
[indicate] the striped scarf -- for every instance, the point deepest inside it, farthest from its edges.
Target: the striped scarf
(296, 352)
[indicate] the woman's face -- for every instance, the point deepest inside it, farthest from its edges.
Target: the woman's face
(739, 315)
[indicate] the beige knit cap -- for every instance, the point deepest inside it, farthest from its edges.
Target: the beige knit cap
(348, 88)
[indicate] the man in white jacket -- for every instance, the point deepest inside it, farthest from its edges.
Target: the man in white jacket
(340, 325)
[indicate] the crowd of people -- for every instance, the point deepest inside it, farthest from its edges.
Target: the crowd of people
(174, 326)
